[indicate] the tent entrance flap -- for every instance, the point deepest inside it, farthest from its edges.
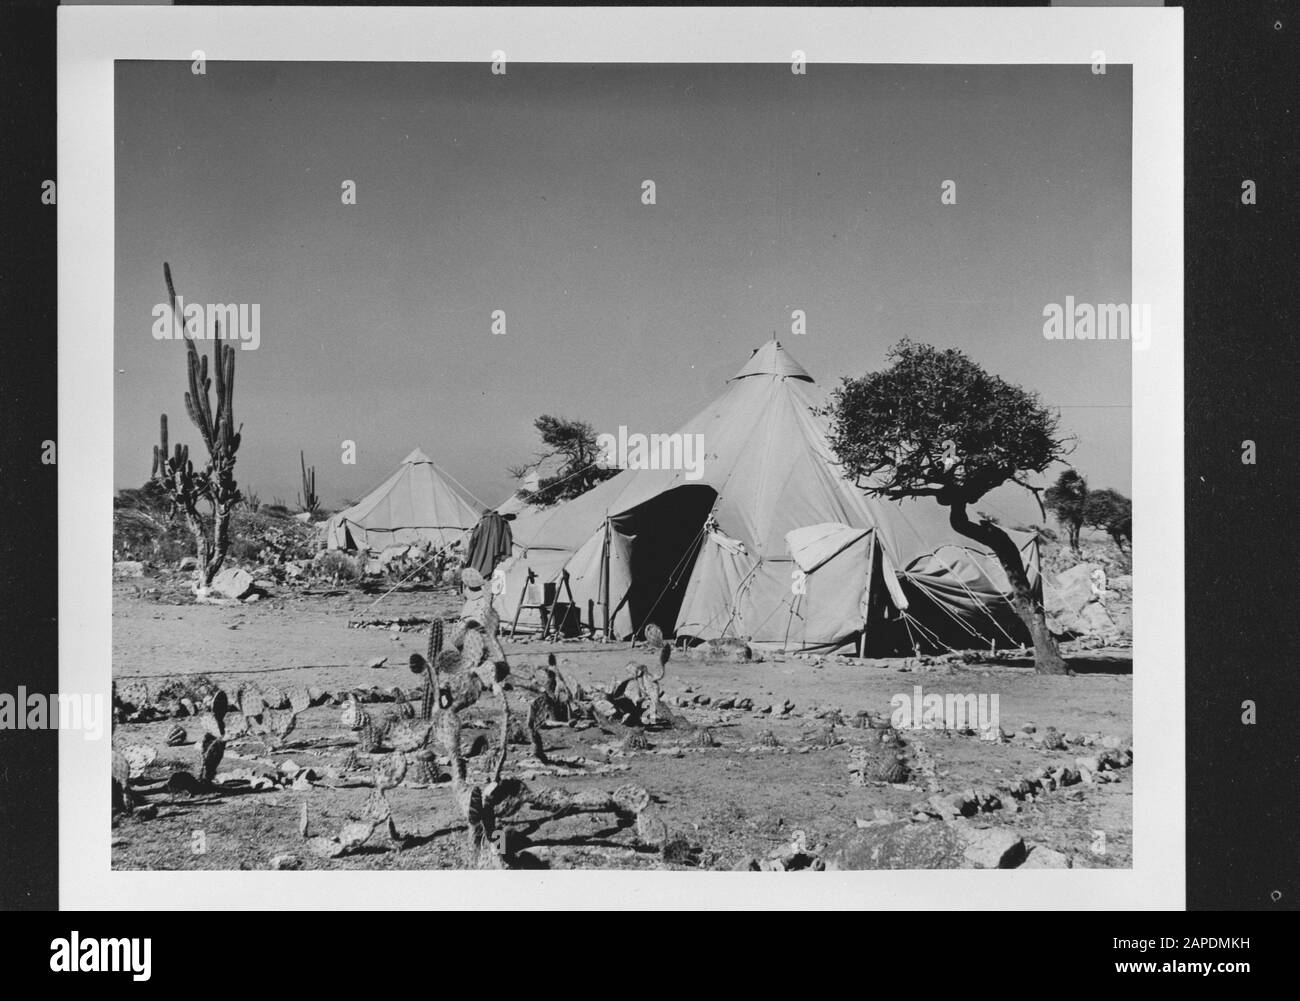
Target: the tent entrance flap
(661, 539)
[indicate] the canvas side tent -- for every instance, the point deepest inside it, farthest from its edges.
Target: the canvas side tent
(770, 543)
(418, 503)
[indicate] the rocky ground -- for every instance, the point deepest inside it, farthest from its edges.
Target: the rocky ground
(775, 764)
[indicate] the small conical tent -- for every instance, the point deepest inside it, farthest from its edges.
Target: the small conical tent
(418, 503)
(769, 541)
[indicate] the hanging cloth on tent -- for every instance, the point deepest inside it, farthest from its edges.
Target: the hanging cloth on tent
(725, 542)
(489, 544)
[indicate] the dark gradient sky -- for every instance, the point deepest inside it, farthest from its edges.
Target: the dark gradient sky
(522, 192)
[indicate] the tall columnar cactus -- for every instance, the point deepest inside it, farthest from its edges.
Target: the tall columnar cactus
(215, 482)
(308, 500)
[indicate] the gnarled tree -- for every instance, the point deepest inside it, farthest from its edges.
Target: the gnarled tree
(573, 441)
(935, 424)
(1110, 510)
(214, 484)
(1067, 498)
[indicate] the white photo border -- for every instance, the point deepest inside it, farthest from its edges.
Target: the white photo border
(91, 38)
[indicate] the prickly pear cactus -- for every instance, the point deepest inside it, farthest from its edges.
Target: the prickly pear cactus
(278, 725)
(299, 700)
(389, 772)
(407, 734)
(474, 650)
(211, 751)
(276, 698)
(446, 733)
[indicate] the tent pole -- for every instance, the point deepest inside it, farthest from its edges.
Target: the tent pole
(866, 604)
(604, 585)
(785, 643)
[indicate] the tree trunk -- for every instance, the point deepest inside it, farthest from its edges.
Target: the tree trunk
(1047, 658)
(202, 547)
(221, 542)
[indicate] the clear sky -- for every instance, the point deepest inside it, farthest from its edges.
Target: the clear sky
(522, 192)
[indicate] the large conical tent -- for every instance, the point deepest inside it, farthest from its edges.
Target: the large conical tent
(769, 541)
(418, 503)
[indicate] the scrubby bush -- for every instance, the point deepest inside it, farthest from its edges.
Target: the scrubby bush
(195, 687)
(339, 565)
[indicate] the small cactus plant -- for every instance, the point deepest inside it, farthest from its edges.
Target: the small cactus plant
(308, 500)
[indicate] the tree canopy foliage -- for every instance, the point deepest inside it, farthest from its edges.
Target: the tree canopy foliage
(1111, 511)
(1066, 498)
(935, 424)
(574, 442)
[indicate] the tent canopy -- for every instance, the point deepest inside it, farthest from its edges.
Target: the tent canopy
(418, 503)
(711, 557)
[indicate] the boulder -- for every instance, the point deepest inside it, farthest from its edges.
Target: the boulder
(1093, 619)
(952, 805)
(732, 650)
(1070, 590)
(188, 563)
(1046, 858)
(1072, 606)
(128, 568)
(907, 845)
(993, 848)
(131, 694)
(232, 582)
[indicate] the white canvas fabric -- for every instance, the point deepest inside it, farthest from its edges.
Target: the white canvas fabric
(418, 503)
(719, 546)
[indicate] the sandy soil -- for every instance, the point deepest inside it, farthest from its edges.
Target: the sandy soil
(730, 802)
